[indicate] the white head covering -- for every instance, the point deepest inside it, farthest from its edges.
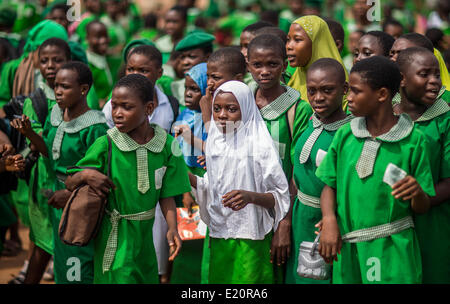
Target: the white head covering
(244, 159)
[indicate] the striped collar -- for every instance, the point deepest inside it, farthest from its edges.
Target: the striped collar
(399, 131)
(126, 143)
(281, 104)
(438, 108)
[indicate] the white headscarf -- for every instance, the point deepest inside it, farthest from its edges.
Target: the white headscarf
(244, 159)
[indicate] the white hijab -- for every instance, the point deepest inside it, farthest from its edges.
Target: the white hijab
(243, 159)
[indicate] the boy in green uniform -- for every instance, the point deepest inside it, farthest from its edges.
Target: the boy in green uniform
(284, 113)
(326, 87)
(97, 37)
(377, 175)
(195, 48)
(420, 99)
(70, 129)
(124, 250)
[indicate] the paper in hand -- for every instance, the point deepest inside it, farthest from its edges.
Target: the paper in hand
(393, 174)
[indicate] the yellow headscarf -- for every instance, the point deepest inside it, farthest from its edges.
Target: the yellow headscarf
(323, 46)
(443, 68)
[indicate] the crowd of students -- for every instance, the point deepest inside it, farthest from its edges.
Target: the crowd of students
(281, 121)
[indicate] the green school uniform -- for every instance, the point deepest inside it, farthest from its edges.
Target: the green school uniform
(356, 165)
(67, 142)
(433, 227)
(152, 172)
(276, 115)
(310, 149)
(165, 46)
(7, 79)
(101, 74)
(41, 180)
(249, 259)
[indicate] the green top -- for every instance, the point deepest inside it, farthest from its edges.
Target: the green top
(310, 149)
(402, 146)
(166, 172)
(101, 74)
(276, 114)
(7, 79)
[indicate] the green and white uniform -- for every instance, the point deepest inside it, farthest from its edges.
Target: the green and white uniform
(380, 244)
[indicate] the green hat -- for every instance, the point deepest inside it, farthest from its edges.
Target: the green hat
(195, 40)
(42, 31)
(134, 43)
(77, 52)
(7, 16)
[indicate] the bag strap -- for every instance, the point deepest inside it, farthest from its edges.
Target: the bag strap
(108, 172)
(290, 115)
(40, 105)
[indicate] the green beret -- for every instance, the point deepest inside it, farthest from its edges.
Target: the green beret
(195, 40)
(134, 43)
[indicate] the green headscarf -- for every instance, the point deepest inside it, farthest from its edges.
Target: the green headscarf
(133, 44)
(42, 31)
(77, 52)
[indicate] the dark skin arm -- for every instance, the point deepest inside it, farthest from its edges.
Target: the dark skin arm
(192, 180)
(23, 125)
(330, 239)
(169, 211)
(206, 107)
(442, 189)
(238, 199)
(281, 242)
(409, 189)
(98, 181)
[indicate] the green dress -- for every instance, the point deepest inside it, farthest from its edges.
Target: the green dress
(433, 227)
(356, 165)
(7, 79)
(276, 115)
(313, 146)
(41, 181)
(67, 142)
(165, 46)
(152, 172)
(101, 74)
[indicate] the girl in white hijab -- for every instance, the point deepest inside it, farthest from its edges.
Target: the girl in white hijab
(244, 193)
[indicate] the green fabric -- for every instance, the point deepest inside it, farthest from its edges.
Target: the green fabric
(206, 256)
(73, 148)
(276, 118)
(7, 216)
(149, 34)
(433, 227)
(236, 22)
(446, 96)
(41, 179)
(195, 40)
(399, 254)
(19, 199)
(101, 75)
(26, 16)
(77, 52)
(186, 268)
(42, 31)
(135, 259)
(164, 83)
(165, 46)
(241, 261)
(132, 44)
(7, 79)
(305, 217)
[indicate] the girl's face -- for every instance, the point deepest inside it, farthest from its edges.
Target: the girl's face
(226, 112)
(192, 94)
(298, 46)
(368, 46)
(266, 67)
(362, 99)
(422, 81)
(175, 24)
(59, 16)
(141, 64)
(68, 92)
(245, 39)
(98, 39)
(51, 59)
(190, 58)
(128, 111)
(325, 91)
(399, 45)
(217, 75)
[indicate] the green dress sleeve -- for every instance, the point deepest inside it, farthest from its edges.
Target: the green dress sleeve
(420, 167)
(176, 179)
(92, 99)
(445, 163)
(28, 111)
(7, 80)
(96, 156)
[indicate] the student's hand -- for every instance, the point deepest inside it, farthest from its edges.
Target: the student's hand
(14, 163)
(6, 149)
(182, 130)
(188, 202)
(98, 181)
(281, 242)
(237, 199)
(330, 240)
(206, 100)
(59, 199)
(23, 125)
(407, 188)
(201, 160)
(319, 226)
(174, 243)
